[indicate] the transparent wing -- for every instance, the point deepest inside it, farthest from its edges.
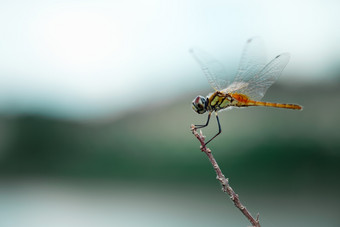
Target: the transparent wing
(253, 77)
(213, 69)
(253, 59)
(257, 84)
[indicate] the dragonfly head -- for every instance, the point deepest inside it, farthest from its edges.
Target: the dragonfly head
(199, 104)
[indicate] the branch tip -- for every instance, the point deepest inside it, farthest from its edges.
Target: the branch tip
(224, 181)
(257, 217)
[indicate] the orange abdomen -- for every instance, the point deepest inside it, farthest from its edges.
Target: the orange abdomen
(243, 100)
(277, 105)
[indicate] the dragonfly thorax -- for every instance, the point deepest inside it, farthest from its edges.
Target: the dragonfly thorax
(199, 104)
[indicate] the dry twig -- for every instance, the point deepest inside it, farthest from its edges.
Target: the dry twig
(224, 181)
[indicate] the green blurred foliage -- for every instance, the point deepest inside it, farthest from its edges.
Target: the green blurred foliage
(264, 147)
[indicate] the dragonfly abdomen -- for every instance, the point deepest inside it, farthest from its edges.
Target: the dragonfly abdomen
(273, 104)
(243, 100)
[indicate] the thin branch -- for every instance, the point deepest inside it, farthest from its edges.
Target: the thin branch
(224, 181)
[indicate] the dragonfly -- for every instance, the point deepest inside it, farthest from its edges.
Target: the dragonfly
(251, 82)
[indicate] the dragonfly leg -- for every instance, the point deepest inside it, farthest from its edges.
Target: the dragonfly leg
(206, 124)
(219, 129)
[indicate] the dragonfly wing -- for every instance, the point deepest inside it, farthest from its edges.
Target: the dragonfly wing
(253, 59)
(253, 77)
(256, 86)
(213, 69)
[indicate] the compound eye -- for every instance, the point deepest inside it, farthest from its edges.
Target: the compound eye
(202, 101)
(198, 104)
(197, 100)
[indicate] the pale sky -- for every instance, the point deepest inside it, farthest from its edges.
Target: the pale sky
(77, 58)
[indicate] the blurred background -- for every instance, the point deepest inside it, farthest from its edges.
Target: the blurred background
(95, 114)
